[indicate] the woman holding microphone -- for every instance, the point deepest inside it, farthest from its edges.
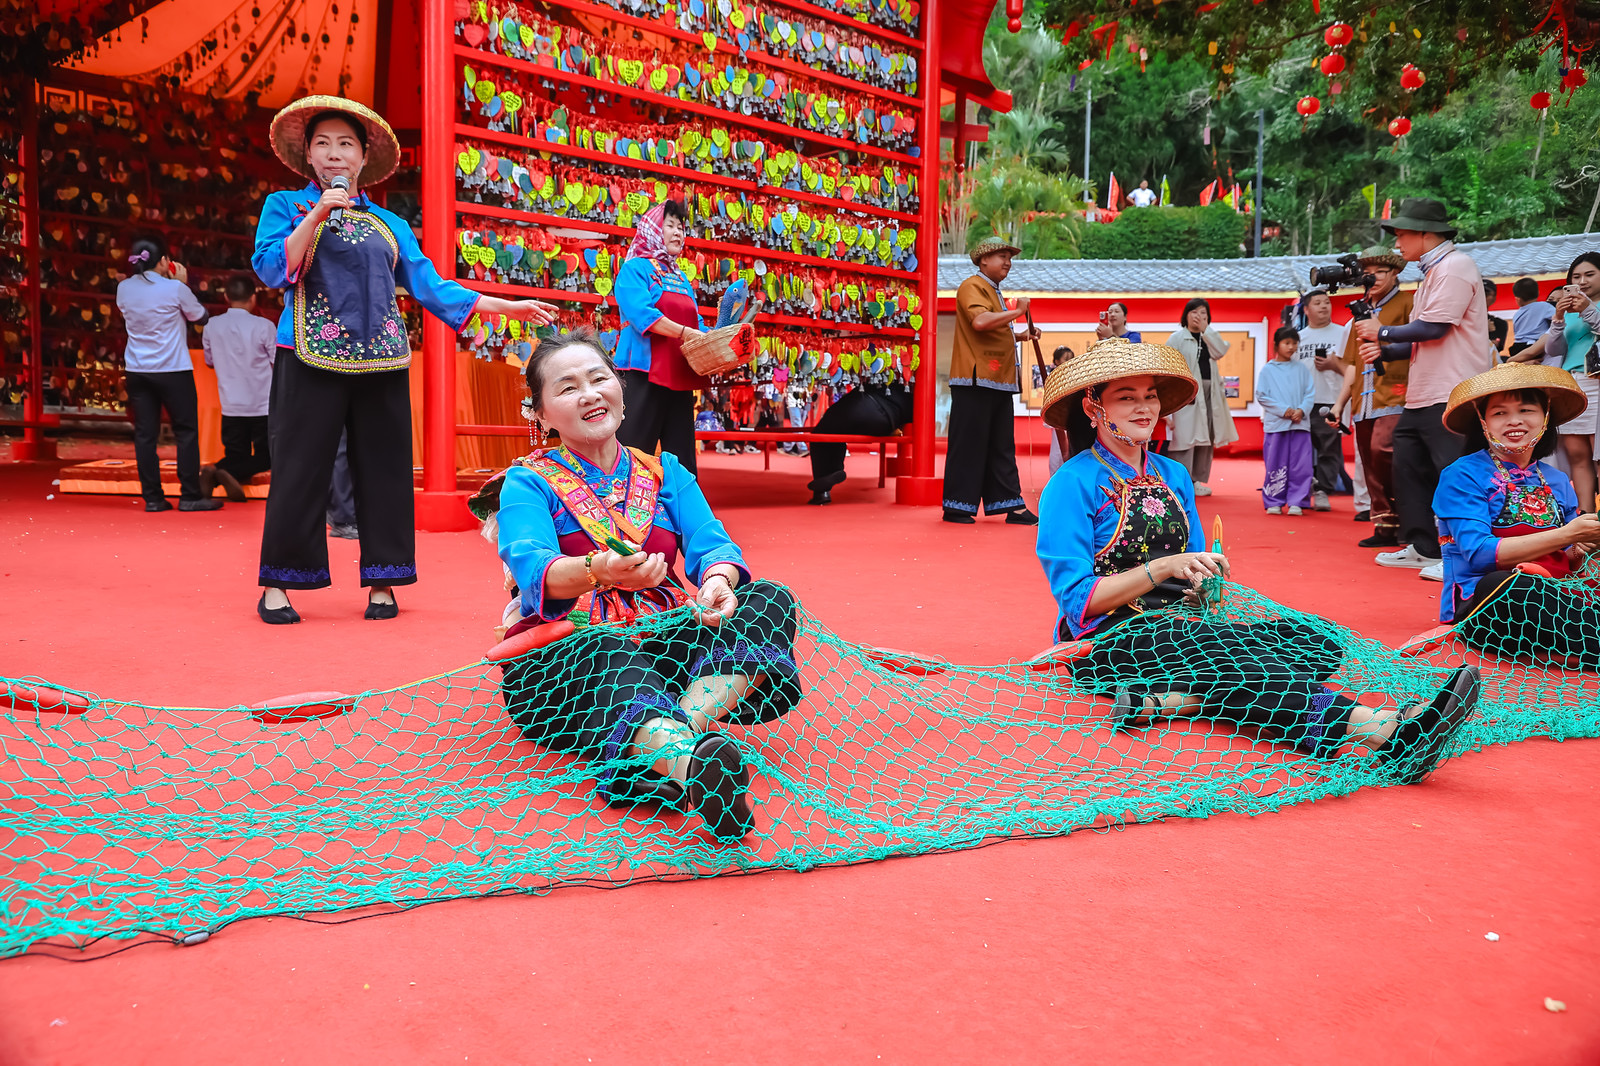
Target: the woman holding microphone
(343, 351)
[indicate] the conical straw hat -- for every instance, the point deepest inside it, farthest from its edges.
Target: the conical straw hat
(289, 136)
(1567, 399)
(1115, 358)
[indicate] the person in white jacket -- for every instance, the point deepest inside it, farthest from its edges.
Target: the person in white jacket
(1200, 427)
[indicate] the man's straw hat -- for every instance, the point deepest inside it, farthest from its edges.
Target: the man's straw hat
(1115, 358)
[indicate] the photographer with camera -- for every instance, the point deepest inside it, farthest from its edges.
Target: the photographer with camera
(1321, 348)
(1446, 342)
(1375, 394)
(1570, 344)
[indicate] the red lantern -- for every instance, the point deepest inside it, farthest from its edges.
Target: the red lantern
(1411, 78)
(1399, 127)
(1574, 79)
(1308, 105)
(1539, 101)
(1332, 65)
(1338, 35)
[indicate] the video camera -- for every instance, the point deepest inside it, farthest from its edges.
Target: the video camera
(1346, 273)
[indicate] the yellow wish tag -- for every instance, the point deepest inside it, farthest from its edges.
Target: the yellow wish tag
(658, 79)
(602, 286)
(631, 70)
(573, 192)
(526, 34)
(548, 189)
(484, 90)
(735, 210)
(661, 190)
(720, 137)
(709, 39)
(637, 202)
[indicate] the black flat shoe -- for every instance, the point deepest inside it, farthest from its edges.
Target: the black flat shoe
(1379, 540)
(278, 616)
(377, 612)
(1022, 517)
(960, 518)
(199, 505)
(642, 787)
(1418, 743)
(1363, 516)
(157, 505)
(819, 498)
(717, 785)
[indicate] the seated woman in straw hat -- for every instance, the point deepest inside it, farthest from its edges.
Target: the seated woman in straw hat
(1120, 539)
(1508, 522)
(343, 352)
(590, 533)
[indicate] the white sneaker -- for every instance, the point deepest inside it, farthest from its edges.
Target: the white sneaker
(1295, 511)
(1432, 573)
(1319, 502)
(1406, 558)
(1274, 510)
(1202, 489)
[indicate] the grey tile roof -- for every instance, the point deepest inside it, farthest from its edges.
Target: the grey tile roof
(1501, 260)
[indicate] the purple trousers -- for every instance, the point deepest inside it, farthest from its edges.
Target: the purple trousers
(1289, 460)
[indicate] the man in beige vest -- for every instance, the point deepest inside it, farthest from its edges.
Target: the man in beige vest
(980, 465)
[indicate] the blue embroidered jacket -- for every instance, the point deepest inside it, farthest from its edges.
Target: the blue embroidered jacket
(533, 521)
(1079, 517)
(449, 300)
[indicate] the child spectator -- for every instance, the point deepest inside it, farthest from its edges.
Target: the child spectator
(240, 346)
(1532, 317)
(1057, 357)
(1286, 393)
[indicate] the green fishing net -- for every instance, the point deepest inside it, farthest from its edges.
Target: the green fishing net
(128, 821)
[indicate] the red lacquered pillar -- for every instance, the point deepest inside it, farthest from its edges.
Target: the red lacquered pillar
(922, 488)
(34, 444)
(440, 507)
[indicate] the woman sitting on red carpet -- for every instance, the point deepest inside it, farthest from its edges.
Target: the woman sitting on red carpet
(590, 533)
(1500, 508)
(1120, 539)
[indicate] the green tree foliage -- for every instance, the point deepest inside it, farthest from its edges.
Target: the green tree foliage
(1472, 147)
(1236, 38)
(1211, 232)
(1027, 207)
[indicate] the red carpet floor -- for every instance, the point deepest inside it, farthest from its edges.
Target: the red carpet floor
(1346, 931)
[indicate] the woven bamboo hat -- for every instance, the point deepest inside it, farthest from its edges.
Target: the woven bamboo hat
(1567, 399)
(289, 136)
(1115, 358)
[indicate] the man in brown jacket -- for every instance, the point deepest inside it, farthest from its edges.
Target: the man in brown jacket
(980, 463)
(1376, 394)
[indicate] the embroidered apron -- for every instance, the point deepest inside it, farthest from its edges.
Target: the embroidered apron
(621, 520)
(1153, 525)
(668, 367)
(345, 316)
(1529, 507)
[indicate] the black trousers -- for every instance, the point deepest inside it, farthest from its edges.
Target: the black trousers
(588, 693)
(1328, 474)
(1531, 618)
(1266, 675)
(310, 408)
(657, 415)
(1422, 449)
(855, 412)
(342, 492)
(246, 449)
(980, 465)
(147, 395)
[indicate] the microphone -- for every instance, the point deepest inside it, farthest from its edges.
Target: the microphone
(340, 182)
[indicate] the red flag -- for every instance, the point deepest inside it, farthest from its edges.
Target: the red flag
(1238, 197)
(1387, 205)
(1113, 192)
(1208, 192)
